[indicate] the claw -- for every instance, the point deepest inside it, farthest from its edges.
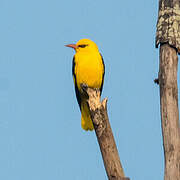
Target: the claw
(84, 87)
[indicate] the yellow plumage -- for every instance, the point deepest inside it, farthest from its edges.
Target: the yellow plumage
(88, 68)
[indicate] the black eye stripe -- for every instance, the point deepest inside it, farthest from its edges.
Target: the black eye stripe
(82, 45)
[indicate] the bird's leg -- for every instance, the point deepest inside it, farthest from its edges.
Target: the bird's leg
(97, 89)
(84, 88)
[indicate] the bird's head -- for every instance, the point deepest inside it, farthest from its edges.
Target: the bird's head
(84, 45)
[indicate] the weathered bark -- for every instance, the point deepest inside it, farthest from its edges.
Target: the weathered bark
(169, 111)
(99, 116)
(168, 36)
(168, 26)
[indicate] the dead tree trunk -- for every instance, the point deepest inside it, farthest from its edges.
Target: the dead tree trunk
(169, 111)
(98, 111)
(168, 36)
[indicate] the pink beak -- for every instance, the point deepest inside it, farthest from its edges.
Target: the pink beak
(71, 46)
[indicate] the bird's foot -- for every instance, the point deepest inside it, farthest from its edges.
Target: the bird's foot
(84, 87)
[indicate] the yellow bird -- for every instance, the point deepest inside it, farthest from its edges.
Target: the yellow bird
(88, 68)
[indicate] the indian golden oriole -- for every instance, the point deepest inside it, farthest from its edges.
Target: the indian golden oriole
(88, 68)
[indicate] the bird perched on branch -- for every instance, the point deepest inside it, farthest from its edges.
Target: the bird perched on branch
(88, 68)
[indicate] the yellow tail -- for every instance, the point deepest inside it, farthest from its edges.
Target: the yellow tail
(86, 121)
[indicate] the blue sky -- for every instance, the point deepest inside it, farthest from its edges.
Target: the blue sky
(40, 131)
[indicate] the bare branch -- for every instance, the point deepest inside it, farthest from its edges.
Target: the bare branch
(99, 116)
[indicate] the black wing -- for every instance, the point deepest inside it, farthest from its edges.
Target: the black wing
(75, 83)
(103, 74)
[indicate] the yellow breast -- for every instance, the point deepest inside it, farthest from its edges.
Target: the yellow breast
(89, 69)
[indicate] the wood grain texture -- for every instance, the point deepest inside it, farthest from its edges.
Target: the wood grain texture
(99, 116)
(169, 111)
(168, 36)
